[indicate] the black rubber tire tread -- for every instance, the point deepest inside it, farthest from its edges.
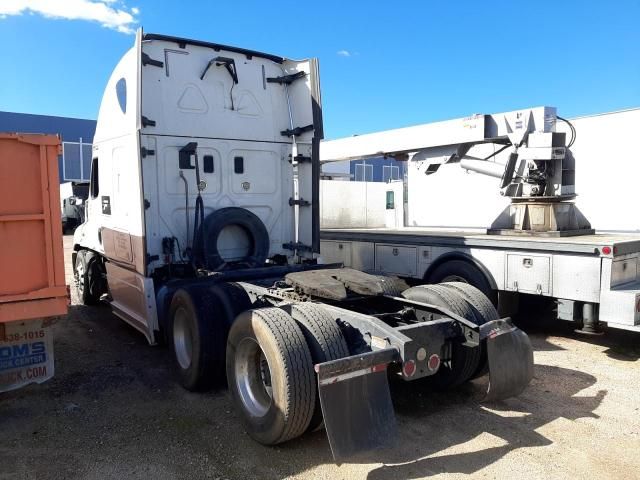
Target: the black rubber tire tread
(325, 341)
(468, 359)
(202, 308)
(393, 286)
(477, 298)
(281, 337)
(91, 280)
(486, 310)
(231, 301)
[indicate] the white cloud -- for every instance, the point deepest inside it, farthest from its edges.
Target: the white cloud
(105, 12)
(344, 53)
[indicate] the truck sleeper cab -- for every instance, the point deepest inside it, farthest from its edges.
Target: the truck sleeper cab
(195, 235)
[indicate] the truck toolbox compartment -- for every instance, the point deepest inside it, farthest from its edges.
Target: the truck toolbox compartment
(32, 281)
(397, 259)
(624, 270)
(339, 252)
(529, 273)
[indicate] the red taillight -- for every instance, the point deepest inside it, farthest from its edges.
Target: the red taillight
(409, 368)
(606, 250)
(434, 362)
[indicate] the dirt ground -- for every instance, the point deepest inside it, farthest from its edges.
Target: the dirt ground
(114, 410)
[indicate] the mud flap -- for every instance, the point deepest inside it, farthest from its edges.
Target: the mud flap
(510, 358)
(356, 403)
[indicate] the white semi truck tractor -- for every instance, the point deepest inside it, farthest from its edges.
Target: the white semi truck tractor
(198, 237)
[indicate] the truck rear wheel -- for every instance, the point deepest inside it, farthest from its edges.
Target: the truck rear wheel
(325, 341)
(464, 361)
(200, 319)
(88, 277)
(476, 298)
(393, 286)
(485, 311)
(192, 338)
(270, 375)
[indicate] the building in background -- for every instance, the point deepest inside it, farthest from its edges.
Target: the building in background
(371, 170)
(76, 135)
(377, 170)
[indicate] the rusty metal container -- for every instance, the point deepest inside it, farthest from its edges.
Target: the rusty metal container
(32, 281)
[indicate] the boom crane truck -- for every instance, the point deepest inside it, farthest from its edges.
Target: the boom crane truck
(539, 247)
(196, 236)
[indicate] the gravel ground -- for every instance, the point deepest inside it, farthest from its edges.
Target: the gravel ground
(114, 410)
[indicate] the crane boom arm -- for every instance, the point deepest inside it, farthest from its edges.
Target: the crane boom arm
(475, 129)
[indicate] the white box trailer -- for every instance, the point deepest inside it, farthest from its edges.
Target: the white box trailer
(593, 278)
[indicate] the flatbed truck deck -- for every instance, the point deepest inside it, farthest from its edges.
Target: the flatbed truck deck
(593, 276)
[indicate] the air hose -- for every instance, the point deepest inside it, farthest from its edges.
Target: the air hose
(198, 239)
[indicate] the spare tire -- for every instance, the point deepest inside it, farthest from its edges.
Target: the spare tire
(216, 222)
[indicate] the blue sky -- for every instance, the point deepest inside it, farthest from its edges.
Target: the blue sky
(383, 64)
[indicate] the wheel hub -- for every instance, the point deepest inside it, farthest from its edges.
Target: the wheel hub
(253, 378)
(182, 338)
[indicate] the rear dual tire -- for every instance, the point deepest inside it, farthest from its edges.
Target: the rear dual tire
(199, 322)
(270, 357)
(484, 311)
(325, 341)
(470, 303)
(270, 375)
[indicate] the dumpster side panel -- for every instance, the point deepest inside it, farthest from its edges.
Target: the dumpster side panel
(31, 252)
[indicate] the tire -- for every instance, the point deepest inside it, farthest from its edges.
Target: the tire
(325, 341)
(88, 277)
(465, 361)
(476, 298)
(233, 300)
(393, 286)
(199, 341)
(192, 337)
(248, 221)
(465, 272)
(485, 312)
(270, 375)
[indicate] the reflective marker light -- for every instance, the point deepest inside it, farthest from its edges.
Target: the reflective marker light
(606, 250)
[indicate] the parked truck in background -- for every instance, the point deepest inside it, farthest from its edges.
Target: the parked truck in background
(578, 275)
(32, 281)
(73, 196)
(197, 236)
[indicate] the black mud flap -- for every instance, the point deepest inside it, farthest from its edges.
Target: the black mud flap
(356, 403)
(510, 358)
